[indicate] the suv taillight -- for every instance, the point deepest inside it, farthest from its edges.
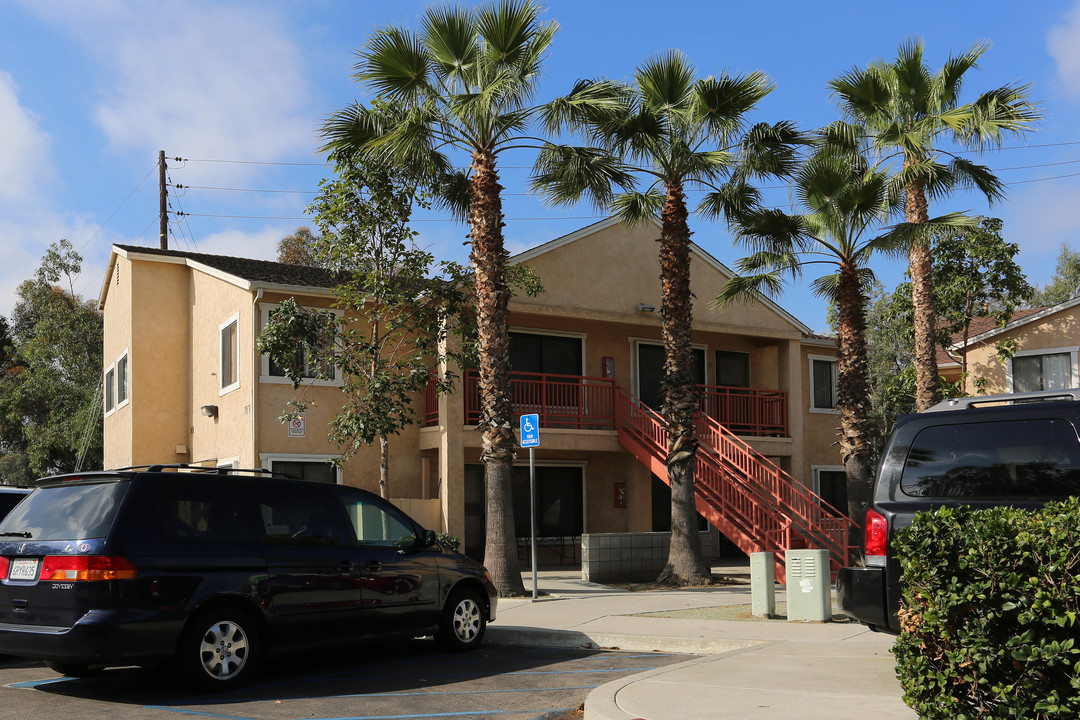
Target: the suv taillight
(876, 534)
(3, 568)
(87, 568)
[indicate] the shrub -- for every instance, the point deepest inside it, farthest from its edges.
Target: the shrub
(989, 613)
(450, 542)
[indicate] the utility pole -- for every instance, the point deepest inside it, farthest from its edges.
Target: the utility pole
(163, 208)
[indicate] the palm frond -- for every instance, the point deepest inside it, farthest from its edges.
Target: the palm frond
(948, 81)
(862, 93)
(996, 114)
(563, 174)
(770, 151)
(731, 200)
(903, 236)
(394, 64)
(748, 289)
(979, 177)
(591, 104)
(507, 28)
(447, 35)
(636, 208)
(770, 230)
(451, 191)
(666, 82)
(724, 101)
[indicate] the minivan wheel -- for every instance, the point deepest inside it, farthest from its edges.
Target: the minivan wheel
(463, 621)
(220, 649)
(76, 670)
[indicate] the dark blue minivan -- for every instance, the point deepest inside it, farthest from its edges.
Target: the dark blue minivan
(214, 569)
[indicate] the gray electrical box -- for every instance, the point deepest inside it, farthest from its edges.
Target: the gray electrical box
(762, 585)
(809, 595)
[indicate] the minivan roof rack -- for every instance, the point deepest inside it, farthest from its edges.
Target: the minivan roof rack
(209, 470)
(966, 403)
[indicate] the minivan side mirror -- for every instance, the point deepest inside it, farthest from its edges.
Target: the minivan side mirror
(429, 539)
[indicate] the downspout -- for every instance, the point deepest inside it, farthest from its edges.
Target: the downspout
(256, 372)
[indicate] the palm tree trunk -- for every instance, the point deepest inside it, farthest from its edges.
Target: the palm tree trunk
(685, 565)
(927, 383)
(493, 335)
(853, 391)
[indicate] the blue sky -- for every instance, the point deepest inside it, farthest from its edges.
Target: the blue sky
(91, 90)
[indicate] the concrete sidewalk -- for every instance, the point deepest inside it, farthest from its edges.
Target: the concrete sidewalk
(747, 669)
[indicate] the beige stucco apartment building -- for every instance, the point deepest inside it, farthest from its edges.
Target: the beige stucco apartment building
(184, 384)
(1041, 352)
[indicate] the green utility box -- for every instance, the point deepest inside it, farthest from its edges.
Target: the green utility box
(809, 595)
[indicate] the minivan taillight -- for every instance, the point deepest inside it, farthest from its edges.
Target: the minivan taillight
(876, 534)
(87, 568)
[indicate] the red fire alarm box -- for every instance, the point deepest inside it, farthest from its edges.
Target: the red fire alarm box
(620, 494)
(607, 367)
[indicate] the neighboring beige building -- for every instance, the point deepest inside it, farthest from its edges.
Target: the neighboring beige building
(1044, 343)
(184, 384)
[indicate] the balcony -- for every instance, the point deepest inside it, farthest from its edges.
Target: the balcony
(576, 402)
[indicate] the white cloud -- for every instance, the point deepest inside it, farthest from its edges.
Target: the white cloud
(24, 151)
(1063, 41)
(196, 79)
(260, 245)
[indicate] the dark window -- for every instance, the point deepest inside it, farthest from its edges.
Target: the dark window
(559, 507)
(1025, 458)
(549, 354)
(302, 515)
(1033, 373)
(823, 390)
(651, 372)
(832, 488)
(732, 369)
(198, 510)
(317, 470)
(67, 512)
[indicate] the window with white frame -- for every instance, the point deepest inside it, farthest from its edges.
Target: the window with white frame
(1033, 370)
(109, 390)
(309, 370)
(229, 365)
(122, 374)
(822, 383)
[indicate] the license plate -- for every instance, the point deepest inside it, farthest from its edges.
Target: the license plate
(23, 569)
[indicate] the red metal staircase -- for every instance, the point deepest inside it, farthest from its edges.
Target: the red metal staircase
(745, 496)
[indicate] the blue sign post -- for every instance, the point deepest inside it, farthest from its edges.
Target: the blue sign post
(530, 438)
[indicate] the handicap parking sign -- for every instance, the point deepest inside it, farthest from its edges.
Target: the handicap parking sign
(530, 430)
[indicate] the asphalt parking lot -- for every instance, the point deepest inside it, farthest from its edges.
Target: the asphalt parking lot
(375, 681)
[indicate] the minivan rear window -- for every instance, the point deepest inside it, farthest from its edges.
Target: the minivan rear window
(1036, 458)
(66, 512)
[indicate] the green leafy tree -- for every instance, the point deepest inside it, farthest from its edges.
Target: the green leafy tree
(975, 275)
(299, 248)
(672, 130)
(914, 116)
(464, 82)
(1064, 285)
(50, 401)
(394, 314)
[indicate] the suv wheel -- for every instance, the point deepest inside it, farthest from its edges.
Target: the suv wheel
(463, 622)
(220, 648)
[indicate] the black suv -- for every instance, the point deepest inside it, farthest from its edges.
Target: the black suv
(1020, 450)
(213, 569)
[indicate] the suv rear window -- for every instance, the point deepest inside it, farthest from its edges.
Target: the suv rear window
(67, 512)
(1018, 458)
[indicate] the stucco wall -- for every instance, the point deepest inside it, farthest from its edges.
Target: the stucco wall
(1060, 330)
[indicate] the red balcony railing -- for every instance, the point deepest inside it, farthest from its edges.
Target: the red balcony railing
(746, 411)
(581, 402)
(562, 401)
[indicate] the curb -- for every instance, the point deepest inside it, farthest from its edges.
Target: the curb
(519, 635)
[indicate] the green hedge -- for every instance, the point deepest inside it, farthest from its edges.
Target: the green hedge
(989, 613)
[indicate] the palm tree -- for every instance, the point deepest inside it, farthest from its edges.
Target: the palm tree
(674, 131)
(464, 82)
(910, 113)
(843, 200)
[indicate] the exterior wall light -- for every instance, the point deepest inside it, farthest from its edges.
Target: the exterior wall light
(642, 307)
(209, 410)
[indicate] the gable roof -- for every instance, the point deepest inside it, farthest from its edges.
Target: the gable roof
(559, 242)
(245, 272)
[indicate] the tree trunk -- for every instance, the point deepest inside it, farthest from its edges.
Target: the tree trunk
(685, 565)
(853, 392)
(927, 382)
(493, 335)
(384, 467)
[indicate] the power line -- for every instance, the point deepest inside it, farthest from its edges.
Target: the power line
(124, 202)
